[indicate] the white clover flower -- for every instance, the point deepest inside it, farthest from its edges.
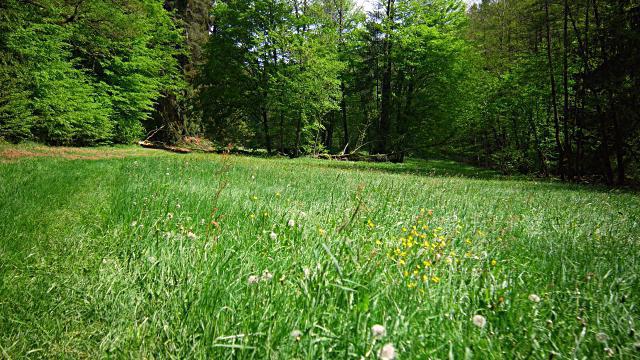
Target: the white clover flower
(253, 279)
(479, 321)
(602, 337)
(266, 275)
(291, 223)
(273, 236)
(388, 352)
(191, 235)
(534, 298)
(378, 331)
(296, 335)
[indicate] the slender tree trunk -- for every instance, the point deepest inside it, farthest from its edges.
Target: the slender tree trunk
(298, 136)
(345, 125)
(554, 100)
(281, 133)
(385, 112)
(328, 138)
(265, 125)
(565, 83)
(604, 133)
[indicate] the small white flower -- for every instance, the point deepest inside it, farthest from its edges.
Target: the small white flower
(291, 223)
(169, 216)
(602, 337)
(378, 331)
(266, 275)
(191, 235)
(152, 259)
(307, 272)
(296, 335)
(534, 298)
(178, 206)
(303, 214)
(166, 174)
(253, 177)
(388, 352)
(253, 279)
(273, 236)
(134, 223)
(479, 321)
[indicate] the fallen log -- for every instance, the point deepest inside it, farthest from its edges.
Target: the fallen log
(158, 145)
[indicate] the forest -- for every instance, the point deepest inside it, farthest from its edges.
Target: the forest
(542, 87)
(319, 179)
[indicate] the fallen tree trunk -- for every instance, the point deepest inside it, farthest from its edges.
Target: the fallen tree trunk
(162, 146)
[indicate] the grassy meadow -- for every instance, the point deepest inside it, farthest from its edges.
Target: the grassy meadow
(131, 253)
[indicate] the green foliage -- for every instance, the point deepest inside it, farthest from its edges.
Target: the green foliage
(90, 72)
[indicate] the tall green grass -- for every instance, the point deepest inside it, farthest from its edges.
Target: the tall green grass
(157, 257)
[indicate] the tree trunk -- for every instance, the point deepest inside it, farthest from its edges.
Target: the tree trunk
(385, 111)
(265, 125)
(565, 82)
(554, 100)
(345, 125)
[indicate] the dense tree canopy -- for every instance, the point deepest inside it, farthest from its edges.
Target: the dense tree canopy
(547, 87)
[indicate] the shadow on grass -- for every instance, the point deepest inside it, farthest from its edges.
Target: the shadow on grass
(439, 168)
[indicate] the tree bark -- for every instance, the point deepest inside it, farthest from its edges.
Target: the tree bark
(385, 111)
(554, 100)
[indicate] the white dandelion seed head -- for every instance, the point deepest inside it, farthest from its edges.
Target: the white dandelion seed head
(378, 331)
(253, 279)
(273, 236)
(296, 334)
(307, 272)
(479, 321)
(602, 337)
(387, 352)
(291, 223)
(534, 298)
(266, 275)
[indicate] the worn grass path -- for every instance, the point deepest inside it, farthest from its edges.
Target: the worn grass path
(116, 256)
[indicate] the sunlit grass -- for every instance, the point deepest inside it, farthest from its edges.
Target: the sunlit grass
(183, 256)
